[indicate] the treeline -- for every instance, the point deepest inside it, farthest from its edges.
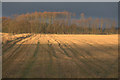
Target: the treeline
(57, 23)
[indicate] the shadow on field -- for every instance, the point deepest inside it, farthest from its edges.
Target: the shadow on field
(60, 61)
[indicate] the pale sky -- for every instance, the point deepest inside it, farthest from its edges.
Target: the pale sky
(60, 0)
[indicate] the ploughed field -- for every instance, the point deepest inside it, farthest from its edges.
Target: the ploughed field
(59, 56)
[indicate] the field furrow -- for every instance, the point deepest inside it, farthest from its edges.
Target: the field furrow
(61, 56)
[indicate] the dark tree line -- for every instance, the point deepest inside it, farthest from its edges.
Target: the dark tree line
(57, 23)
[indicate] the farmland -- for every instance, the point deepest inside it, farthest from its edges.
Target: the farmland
(59, 56)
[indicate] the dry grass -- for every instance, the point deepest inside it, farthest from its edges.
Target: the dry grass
(61, 56)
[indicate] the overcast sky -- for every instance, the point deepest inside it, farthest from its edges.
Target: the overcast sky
(0, 9)
(93, 9)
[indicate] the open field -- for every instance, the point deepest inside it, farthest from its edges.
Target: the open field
(60, 56)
